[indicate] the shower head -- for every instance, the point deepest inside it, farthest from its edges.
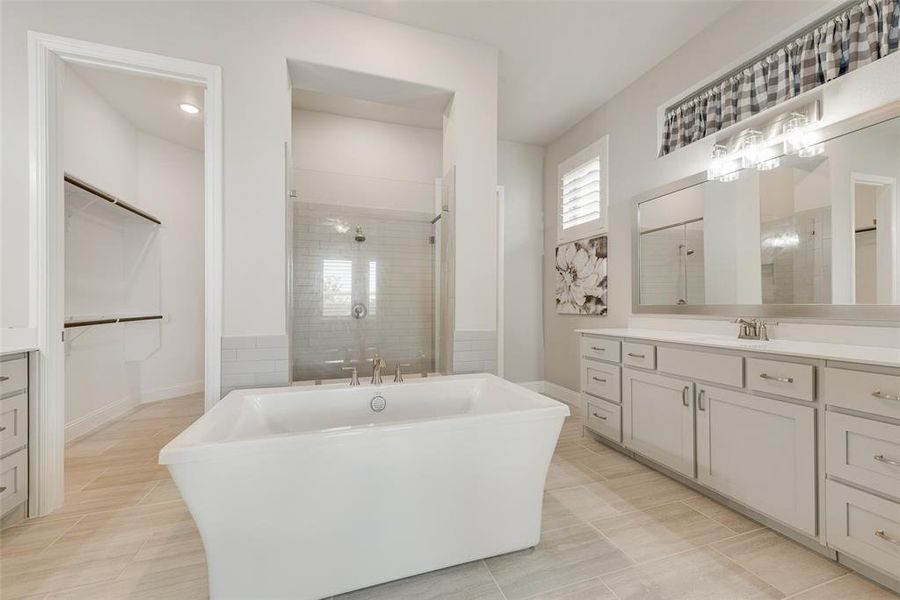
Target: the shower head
(359, 237)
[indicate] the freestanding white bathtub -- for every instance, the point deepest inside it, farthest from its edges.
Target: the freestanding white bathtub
(307, 493)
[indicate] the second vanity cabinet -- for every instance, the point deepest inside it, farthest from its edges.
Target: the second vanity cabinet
(808, 444)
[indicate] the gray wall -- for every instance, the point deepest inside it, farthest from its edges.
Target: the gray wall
(519, 169)
(630, 119)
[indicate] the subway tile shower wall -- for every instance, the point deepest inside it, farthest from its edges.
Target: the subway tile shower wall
(390, 274)
(475, 352)
(254, 361)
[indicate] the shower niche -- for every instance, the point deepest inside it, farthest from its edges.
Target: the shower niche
(366, 225)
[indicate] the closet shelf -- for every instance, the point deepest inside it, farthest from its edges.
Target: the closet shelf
(110, 198)
(109, 320)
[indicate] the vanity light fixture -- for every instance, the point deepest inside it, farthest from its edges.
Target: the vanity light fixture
(796, 134)
(189, 108)
(717, 162)
(751, 148)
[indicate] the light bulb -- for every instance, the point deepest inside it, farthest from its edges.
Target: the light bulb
(189, 108)
(796, 136)
(717, 162)
(751, 147)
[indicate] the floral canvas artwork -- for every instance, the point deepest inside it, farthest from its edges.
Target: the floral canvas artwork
(581, 277)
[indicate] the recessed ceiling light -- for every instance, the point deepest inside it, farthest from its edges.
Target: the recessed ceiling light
(189, 108)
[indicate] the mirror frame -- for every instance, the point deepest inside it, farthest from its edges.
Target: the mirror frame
(881, 314)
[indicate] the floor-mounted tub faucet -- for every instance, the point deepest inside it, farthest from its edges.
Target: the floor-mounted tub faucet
(377, 365)
(354, 376)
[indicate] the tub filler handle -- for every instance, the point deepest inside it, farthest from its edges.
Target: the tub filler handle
(354, 376)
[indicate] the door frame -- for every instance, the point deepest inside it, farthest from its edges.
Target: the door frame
(892, 227)
(47, 55)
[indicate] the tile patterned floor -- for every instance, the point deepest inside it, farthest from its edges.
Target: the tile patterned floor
(612, 530)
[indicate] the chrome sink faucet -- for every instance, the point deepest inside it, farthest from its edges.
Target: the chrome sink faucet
(354, 376)
(753, 329)
(377, 365)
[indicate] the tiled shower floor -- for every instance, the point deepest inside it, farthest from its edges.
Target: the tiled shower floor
(613, 529)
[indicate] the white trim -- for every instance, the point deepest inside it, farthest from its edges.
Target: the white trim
(46, 55)
(169, 392)
(893, 230)
(92, 421)
(501, 232)
(600, 149)
(555, 391)
(563, 394)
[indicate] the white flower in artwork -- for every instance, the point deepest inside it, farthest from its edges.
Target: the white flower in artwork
(581, 277)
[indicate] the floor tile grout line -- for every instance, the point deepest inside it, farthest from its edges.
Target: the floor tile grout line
(747, 569)
(494, 579)
(817, 586)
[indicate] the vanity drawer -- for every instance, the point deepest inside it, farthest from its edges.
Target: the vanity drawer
(864, 452)
(13, 375)
(601, 379)
(863, 525)
(604, 418)
(602, 348)
(784, 379)
(13, 480)
(866, 392)
(724, 369)
(639, 355)
(13, 423)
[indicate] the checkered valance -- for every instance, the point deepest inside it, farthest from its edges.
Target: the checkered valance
(855, 37)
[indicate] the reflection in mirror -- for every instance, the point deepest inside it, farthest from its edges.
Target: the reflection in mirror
(816, 229)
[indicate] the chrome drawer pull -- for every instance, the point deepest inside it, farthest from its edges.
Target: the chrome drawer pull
(684, 396)
(3, 378)
(633, 355)
(2, 429)
(880, 533)
(883, 396)
(778, 379)
(596, 349)
(890, 461)
(700, 398)
(598, 379)
(599, 417)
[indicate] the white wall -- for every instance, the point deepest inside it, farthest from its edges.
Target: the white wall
(630, 119)
(257, 125)
(119, 264)
(359, 162)
(519, 169)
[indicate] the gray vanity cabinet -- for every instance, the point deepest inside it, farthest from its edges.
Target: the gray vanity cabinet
(658, 418)
(759, 451)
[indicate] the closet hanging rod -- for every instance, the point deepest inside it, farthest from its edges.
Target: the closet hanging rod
(110, 320)
(109, 198)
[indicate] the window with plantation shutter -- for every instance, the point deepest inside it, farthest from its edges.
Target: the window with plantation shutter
(583, 194)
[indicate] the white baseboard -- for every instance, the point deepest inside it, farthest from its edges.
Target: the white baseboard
(557, 392)
(173, 391)
(85, 424)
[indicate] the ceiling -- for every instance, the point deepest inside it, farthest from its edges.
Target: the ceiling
(149, 103)
(558, 60)
(366, 96)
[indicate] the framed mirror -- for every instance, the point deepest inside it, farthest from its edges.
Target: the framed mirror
(812, 234)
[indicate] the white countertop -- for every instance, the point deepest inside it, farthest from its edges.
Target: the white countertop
(870, 355)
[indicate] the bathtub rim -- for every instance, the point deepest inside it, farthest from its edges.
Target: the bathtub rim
(185, 448)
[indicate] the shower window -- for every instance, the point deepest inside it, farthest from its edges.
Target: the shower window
(337, 287)
(373, 287)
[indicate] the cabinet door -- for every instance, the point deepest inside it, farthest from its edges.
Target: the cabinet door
(760, 452)
(658, 419)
